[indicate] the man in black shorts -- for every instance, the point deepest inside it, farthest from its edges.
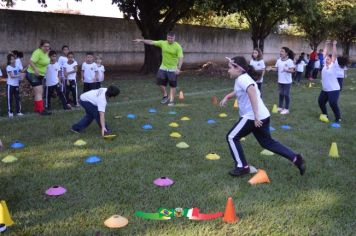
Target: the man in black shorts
(172, 60)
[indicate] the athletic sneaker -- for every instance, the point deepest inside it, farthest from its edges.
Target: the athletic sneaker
(239, 171)
(11, 115)
(279, 109)
(45, 113)
(164, 100)
(74, 131)
(171, 104)
(285, 112)
(300, 163)
(20, 114)
(68, 107)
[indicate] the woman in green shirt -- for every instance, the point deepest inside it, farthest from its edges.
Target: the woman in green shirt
(36, 72)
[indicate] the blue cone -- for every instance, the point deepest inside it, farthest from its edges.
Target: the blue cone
(17, 145)
(172, 112)
(271, 129)
(131, 116)
(335, 125)
(92, 159)
(147, 126)
(152, 110)
(211, 121)
(286, 127)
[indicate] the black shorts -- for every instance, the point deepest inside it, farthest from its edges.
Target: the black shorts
(164, 77)
(33, 79)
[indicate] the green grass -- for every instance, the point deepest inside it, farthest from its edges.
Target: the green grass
(320, 203)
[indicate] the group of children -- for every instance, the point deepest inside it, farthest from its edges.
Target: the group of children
(61, 77)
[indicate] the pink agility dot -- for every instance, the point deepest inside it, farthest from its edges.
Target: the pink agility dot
(163, 181)
(56, 190)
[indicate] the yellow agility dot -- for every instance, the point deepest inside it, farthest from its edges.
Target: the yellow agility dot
(175, 135)
(212, 156)
(174, 125)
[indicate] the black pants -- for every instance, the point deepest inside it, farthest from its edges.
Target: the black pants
(298, 76)
(315, 73)
(332, 97)
(49, 92)
(340, 80)
(13, 92)
(89, 86)
(244, 127)
(71, 88)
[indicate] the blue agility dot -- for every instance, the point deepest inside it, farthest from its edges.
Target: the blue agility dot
(131, 116)
(17, 145)
(172, 113)
(271, 129)
(286, 127)
(152, 110)
(147, 126)
(211, 121)
(335, 125)
(92, 159)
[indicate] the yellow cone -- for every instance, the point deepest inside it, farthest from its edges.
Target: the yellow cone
(323, 118)
(275, 109)
(9, 159)
(182, 145)
(80, 142)
(243, 139)
(175, 135)
(266, 152)
(181, 95)
(310, 85)
(5, 217)
(212, 156)
(222, 115)
(236, 104)
(185, 118)
(333, 150)
(174, 125)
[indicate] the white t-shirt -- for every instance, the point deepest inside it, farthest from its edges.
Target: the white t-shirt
(62, 60)
(245, 108)
(340, 72)
(96, 97)
(89, 72)
(284, 77)
(101, 70)
(16, 71)
(328, 78)
(258, 65)
(317, 64)
(69, 68)
(52, 74)
(18, 63)
(0, 73)
(300, 66)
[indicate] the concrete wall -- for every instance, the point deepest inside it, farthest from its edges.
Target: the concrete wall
(112, 38)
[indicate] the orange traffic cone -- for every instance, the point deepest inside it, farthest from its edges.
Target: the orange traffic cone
(214, 100)
(235, 104)
(181, 95)
(259, 178)
(230, 213)
(5, 217)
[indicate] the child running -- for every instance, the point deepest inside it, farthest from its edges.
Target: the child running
(259, 65)
(101, 71)
(254, 118)
(70, 73)
(285, 67)
(14, 76)
(330, 86)
(89, 73)
(52, 82)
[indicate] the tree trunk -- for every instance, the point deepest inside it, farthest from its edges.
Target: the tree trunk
(258, 42)
(346, 48)
(152, 61)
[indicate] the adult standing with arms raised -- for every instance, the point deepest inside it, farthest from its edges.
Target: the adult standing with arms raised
(36, 72)
(172, 60)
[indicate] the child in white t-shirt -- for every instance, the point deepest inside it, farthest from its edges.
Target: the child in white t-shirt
(299, 64)
(259, 66)
(52, 82)
(101, 71)
(285, 67)
(90, 73)
(316, 69)
(341, 70)
(62, 60)
(254, 118)
(14, 76)
(70, 73)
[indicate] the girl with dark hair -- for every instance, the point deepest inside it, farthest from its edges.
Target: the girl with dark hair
(254, 118)
(14, 76)
(35, 74)
(259, 66)
(285, 67)
(18, 55)
(300, 63)
(330, 87)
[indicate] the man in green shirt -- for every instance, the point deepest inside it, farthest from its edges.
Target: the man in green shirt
(172, 60)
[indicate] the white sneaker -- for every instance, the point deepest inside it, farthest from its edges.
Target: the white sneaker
(279, 109)
(11, 114)
(285, 112)
(20, 114)
(171, 104)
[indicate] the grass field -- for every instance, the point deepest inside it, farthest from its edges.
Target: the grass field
(321, 202)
